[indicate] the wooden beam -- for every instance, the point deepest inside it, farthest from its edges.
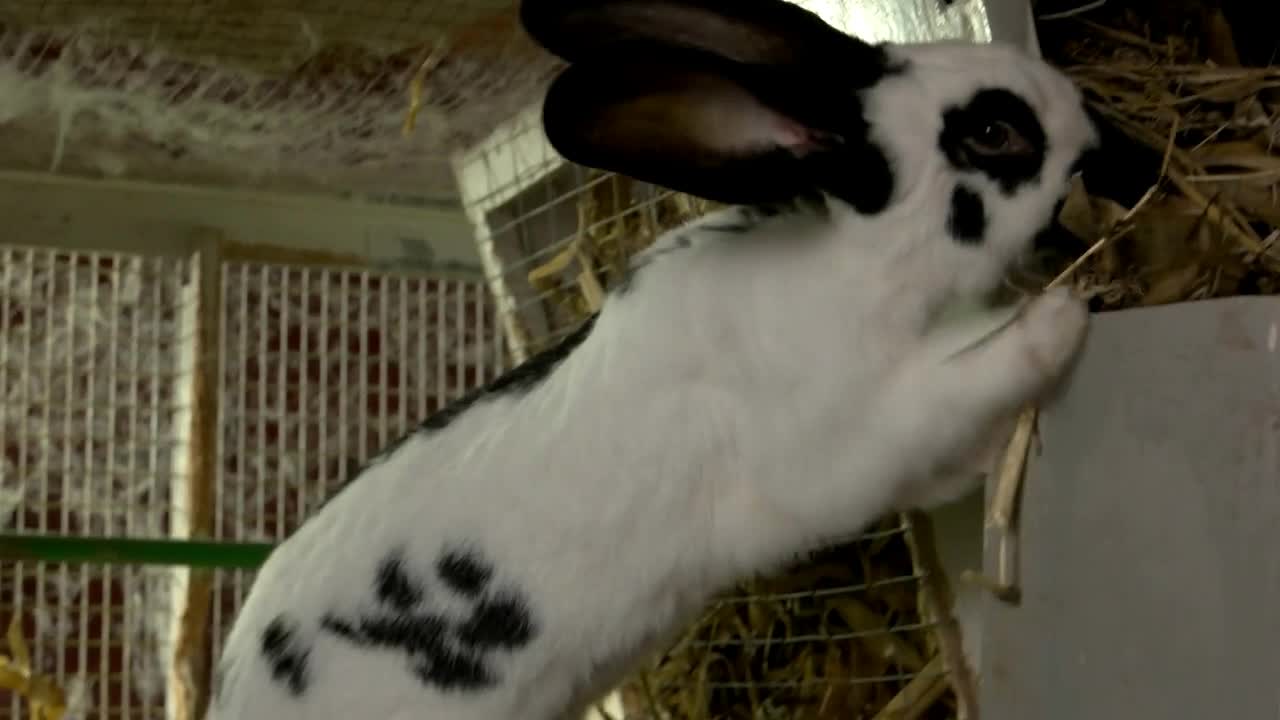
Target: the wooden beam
(192, 660)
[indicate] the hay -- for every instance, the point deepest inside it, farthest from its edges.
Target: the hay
(1206, 226)
(617, 218)
(841, 634)
(1209, 228)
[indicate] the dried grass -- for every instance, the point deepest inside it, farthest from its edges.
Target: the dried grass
(839, 635)
(1209, 229)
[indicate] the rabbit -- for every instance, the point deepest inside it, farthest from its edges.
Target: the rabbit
(770, 377)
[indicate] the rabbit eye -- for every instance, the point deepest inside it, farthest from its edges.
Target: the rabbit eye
(998, 138)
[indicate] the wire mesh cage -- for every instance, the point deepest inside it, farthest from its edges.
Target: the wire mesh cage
(320, 367)
(323, 368)
(91, 431)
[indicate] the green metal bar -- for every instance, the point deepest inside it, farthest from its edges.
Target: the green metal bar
(126, 551)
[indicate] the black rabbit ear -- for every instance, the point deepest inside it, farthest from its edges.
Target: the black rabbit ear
(767, 32)
(724, 133)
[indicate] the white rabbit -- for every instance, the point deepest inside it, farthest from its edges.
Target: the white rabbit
(768, 379)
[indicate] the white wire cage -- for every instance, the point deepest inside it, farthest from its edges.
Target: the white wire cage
(320, 367)
(90, 428)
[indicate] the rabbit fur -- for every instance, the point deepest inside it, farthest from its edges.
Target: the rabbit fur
(769, 378)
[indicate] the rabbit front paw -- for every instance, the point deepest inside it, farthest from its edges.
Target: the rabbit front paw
(1053, 327)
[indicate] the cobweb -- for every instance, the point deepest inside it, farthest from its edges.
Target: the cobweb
(302, 95)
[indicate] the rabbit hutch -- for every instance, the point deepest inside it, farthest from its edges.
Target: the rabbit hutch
(249, 244)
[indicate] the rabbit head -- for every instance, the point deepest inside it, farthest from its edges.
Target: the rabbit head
(755, 102)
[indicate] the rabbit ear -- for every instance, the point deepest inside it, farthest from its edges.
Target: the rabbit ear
(724, 132)
(758, 32)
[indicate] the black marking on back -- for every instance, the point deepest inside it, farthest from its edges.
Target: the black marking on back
(499, 622)
(732, 228)
(679, 242)
(463, 571)
(394, 587)
(285, 655)
(986, 107)
(520, 379)
(967, 219)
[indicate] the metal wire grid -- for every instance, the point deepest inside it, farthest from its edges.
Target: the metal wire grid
(321, 369)
(528, 201)
(89, 370)
(747, 652)
(291, 94)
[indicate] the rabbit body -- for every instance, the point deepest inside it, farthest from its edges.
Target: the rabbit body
(770, 378)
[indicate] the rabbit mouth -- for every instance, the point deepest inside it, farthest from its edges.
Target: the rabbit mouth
(1028, 273)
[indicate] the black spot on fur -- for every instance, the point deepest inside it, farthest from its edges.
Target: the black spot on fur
(285, 655)
(733, 228)
(967, 219)
(424, 639)
(502, 621)
(962, 125)
(394, 587)
(343, 629)
(444, 652)
(463, 572)
(415, 634)
(452, 670)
